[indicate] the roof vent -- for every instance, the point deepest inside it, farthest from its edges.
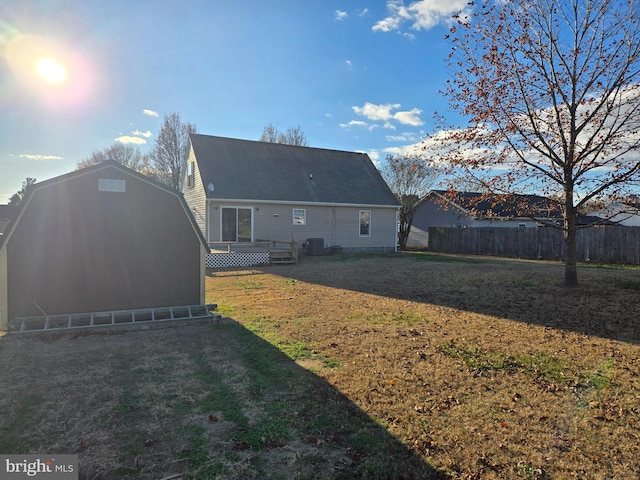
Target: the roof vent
(111, 185)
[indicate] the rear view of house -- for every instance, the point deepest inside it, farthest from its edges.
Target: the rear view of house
(97, 239)
(246, 191)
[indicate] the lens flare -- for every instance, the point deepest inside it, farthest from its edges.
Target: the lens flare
(54, 71)
(51, 70)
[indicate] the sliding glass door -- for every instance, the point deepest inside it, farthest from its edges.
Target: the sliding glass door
(236, 224)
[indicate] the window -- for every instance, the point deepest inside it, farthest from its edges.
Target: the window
(236, 224)
(365, 223)
(299, 216)
(190, 175)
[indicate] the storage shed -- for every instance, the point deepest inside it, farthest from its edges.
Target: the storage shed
(98, 239)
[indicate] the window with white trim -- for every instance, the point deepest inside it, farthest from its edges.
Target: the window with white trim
(190, 175)
(299, 216)
(365, 223)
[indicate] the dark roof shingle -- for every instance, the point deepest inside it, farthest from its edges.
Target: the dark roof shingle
(251, 170)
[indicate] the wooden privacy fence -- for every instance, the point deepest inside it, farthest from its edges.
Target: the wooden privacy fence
(606, 244)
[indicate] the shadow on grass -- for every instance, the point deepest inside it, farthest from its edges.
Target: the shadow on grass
(605, 304)
(190, 400)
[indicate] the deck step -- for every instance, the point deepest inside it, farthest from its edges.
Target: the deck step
(279, 258)
(115, 317)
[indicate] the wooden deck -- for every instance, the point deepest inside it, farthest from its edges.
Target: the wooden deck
(279, 252)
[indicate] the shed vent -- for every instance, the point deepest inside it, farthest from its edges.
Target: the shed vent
(110, 185)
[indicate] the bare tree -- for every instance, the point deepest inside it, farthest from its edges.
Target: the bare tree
(550, 90)
(409, 177)
(291, 136)
(171, 150)
(127, 155)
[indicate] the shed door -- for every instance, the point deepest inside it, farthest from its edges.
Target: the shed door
(236, 224)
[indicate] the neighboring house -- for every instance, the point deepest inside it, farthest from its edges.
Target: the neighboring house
(621, 214)
(102, 238)
(247, 191)
(468, 209)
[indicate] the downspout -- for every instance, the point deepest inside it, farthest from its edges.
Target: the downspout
(207, 221)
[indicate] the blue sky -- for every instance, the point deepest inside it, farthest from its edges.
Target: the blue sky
(355, 75)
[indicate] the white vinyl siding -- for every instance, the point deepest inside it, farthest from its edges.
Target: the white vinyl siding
(196, 197)
(335, 225)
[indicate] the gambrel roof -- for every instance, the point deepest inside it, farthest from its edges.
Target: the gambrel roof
(261, 171)
(108, 165)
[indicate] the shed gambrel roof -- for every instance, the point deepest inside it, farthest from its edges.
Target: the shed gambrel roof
(106, 165)
(261, 171)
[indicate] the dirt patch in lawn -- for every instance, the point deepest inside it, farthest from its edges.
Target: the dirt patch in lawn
(484, 368)
(384, 366)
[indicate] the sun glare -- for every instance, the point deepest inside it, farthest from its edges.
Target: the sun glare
(55, 71)
(51, 70)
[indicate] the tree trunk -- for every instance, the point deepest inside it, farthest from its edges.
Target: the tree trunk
(403, 235)
(570, 250)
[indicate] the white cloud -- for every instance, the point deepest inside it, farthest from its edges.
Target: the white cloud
(414, 149)
(411, 117)
(363, 12)
(359, 124)
(150, 113)
(376, 112)
(403, 137)
(138, 133)
(348, 64)
(421, 14)
(383, 113)
(127, 139)
(374, 155)
(340, 15)
(30, 156)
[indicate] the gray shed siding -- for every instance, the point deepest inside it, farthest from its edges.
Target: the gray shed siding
(78, 246)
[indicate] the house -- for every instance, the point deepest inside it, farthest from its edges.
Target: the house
(102, 238)
(246, 191)
(627, 215)
(438, 208)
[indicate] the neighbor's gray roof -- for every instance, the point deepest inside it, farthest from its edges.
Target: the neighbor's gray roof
(251, 170)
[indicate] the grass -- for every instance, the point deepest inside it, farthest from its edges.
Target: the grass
(11, 439)
(390, 366)
(485, 368)
(631, 285)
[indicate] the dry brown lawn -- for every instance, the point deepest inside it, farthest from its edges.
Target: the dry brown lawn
(485, 368)
(404, 366)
